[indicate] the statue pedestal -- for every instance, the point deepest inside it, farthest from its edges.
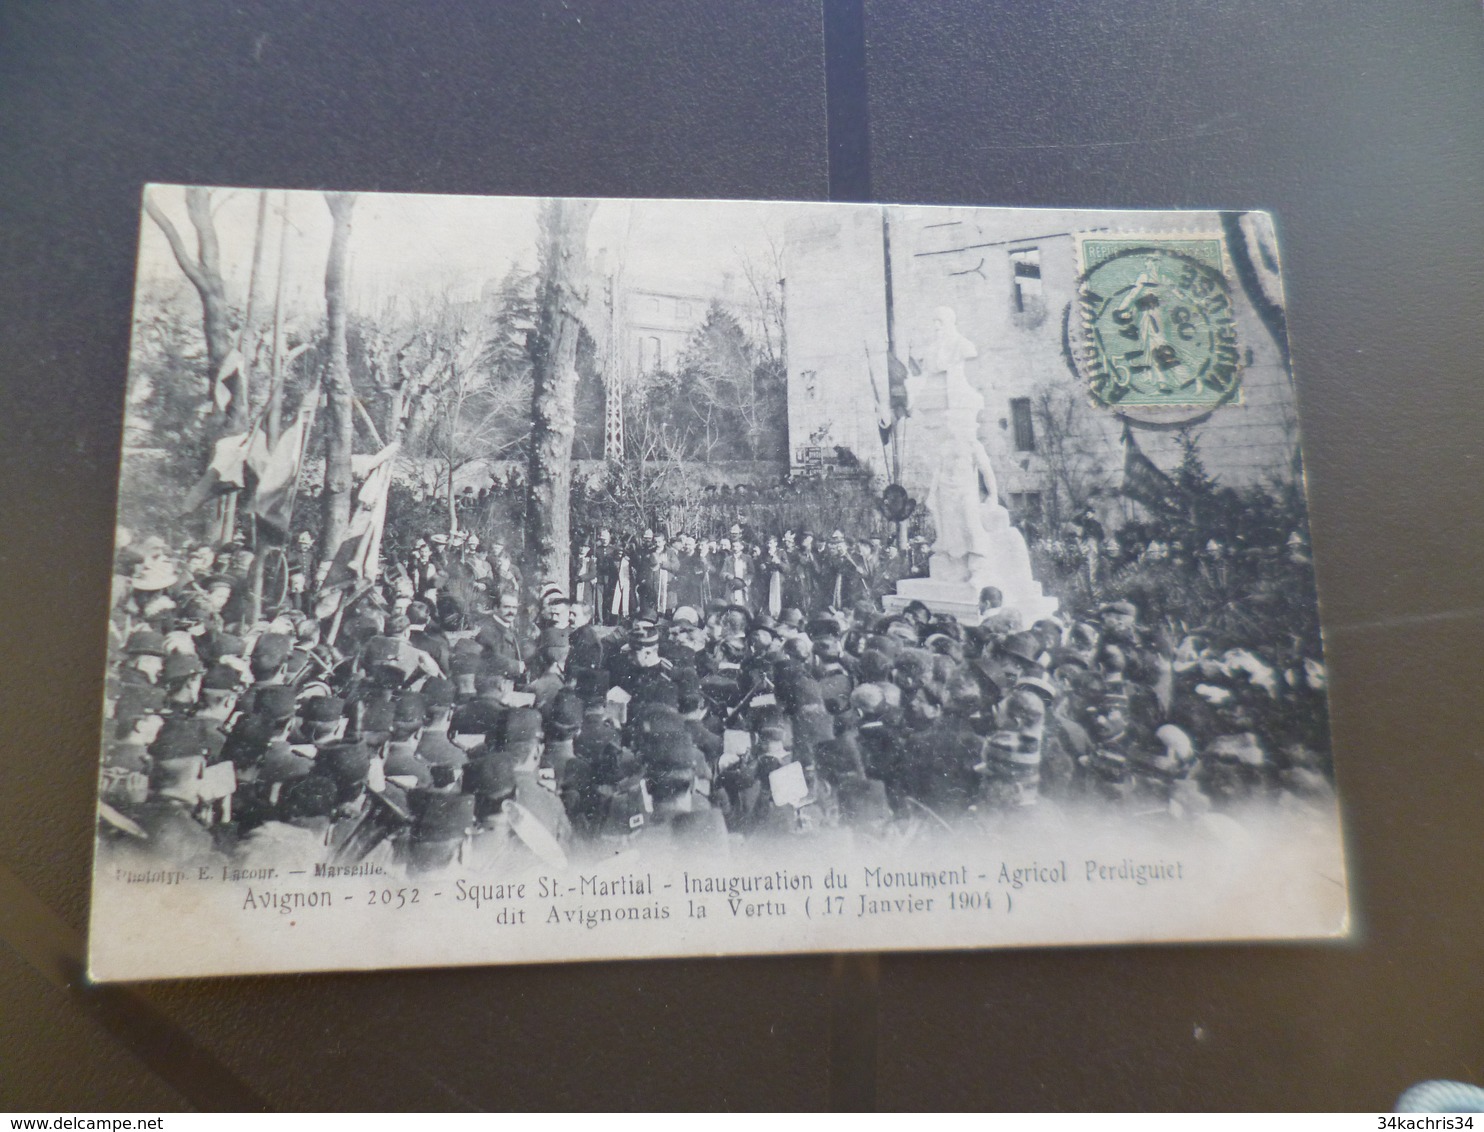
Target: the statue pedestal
(961, 599)
(953, 598)
(953, 584)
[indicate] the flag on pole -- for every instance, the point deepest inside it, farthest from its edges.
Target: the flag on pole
(896, 383)
(224, 474)
(1143, 482)
(277, 470)
(359, 555)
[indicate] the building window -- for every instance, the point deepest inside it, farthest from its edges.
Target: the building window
(1025, 425)
(1026, 504)
(1025, 276)
(682, 309)
(649, 354)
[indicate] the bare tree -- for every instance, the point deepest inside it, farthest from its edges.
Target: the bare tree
(563, 263)
(656, 481)
(766, 282)
(471, 412)
(1067, 442)
(339, 410)
(204, 270)
(388, 357)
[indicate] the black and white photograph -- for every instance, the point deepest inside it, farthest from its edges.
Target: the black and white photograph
(514, 579)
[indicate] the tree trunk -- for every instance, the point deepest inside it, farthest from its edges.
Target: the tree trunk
(339, 413)
(213, 290)
(275, 382)
(205, 273)
(563, 248)
(240, 411)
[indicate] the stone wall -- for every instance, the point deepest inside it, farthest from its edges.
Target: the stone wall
(967, 259)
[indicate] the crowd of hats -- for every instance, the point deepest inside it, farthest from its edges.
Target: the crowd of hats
(390, 731)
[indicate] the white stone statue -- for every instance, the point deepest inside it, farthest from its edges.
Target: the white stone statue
(976, 545)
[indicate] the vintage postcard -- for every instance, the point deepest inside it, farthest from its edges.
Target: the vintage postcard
(507, 579)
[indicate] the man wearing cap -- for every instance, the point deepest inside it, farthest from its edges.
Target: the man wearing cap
(684, 642)
(703, 726)
(639, 666)
(404, 764)
(318, 720)
(294, 830)
(434, 747)
(396, 649)
(1104, 773)
(760, 812)
(366, 812)
(1012, 763)
(268, 666)
(493, 847)
(521, 742)
(678, 783)
(1120, 622)
(597, 736)
(563, 721)
(220, 687)
(169, 815)
(831, 665)
(494, 683)
(552, 650)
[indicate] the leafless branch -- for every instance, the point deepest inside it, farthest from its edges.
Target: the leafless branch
(177, 246)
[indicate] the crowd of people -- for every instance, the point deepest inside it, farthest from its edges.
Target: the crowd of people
(761, 572)
(682, 696)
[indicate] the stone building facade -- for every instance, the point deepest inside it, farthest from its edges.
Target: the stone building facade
(1011, 277)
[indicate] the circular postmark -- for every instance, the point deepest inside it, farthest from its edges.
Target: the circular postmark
(1157, 332)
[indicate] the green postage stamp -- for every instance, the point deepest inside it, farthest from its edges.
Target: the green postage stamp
(1157, 325)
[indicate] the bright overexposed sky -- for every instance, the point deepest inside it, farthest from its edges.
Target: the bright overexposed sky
(411, 247)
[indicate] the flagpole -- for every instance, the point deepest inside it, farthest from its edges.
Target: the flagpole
(876, 392)
(899, 423)
(313, 395)
(255, 606)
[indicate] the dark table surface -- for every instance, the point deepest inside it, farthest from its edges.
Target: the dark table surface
(1359, 124)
